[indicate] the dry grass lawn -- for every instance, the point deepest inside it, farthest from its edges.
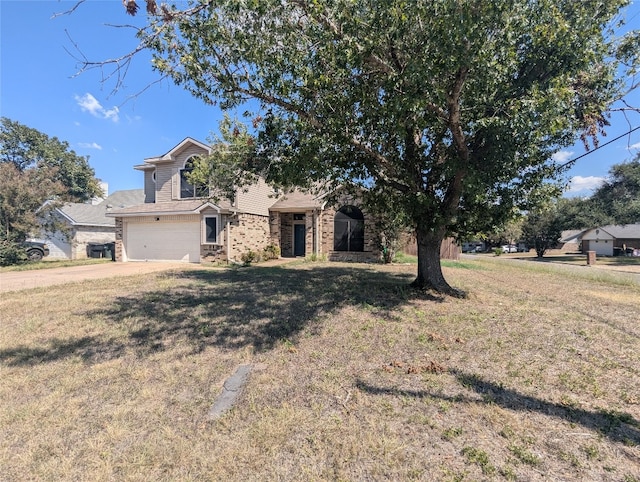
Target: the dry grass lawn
(535, 377)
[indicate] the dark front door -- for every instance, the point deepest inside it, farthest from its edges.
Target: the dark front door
(298, 239)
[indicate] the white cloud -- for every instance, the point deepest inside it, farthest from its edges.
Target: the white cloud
(562, 156)
(634, 146)
(588, 183)
(90, 145)
(89, 103)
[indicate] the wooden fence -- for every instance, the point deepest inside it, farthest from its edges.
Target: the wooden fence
(449, 249)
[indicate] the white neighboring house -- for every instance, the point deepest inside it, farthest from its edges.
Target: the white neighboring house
(604, 239)
(88, 223)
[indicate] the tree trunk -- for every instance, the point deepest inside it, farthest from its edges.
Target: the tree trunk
(430, 275)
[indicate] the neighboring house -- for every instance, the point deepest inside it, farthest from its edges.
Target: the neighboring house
(570, 241)
(179, 222)
(88, 223)
(607, 240)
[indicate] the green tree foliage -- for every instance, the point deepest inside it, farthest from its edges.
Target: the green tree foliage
(578, 213)
(449, 110)
(27, 148)
(22, 198)
(508, 233)
(37, 174)
(542, 229)
(617, 201)
(619, 196)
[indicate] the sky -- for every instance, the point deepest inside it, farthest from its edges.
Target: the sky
(41, 87)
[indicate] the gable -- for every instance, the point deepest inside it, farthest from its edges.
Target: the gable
(623, 231)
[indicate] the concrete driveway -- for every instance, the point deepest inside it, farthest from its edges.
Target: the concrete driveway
(21, 280)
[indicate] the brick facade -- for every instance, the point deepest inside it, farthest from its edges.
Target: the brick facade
(119, 239)
(371, 252)
(238, 235)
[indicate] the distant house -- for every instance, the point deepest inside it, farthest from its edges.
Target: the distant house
(88, 223)
(609, 240)
(570, 241)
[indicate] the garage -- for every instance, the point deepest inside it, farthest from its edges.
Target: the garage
(159, 240)
(602, 247)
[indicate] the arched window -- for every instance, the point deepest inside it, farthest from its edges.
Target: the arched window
(348, 229)
(188, 190)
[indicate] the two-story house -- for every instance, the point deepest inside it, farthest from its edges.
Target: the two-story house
(179, 222)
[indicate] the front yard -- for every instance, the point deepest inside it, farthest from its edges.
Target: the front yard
(535, 377)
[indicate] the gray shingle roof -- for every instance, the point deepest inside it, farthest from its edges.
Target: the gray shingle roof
(95, 214)
(169, 207)
(297, 200)
(122, 199)
(622, 231)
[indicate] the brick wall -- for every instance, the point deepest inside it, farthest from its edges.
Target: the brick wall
(286, 234)
(119, 236)
(371, 250)
(249, 232)
(84, 235)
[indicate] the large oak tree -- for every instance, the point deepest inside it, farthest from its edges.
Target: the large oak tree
(449, 109)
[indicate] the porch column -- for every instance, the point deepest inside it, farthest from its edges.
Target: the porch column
(274, 229)
(309, 232)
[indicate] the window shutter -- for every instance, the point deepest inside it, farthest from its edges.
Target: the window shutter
(175, 184)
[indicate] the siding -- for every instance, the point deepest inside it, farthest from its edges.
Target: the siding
(256, 199)
(168, 173)
(149, 187)
(164, 172)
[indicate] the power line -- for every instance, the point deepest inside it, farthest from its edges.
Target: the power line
(601, 146)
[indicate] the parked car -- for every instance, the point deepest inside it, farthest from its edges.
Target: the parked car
(35, 250)
(509, 248)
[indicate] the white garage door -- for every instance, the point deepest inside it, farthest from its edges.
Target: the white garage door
(602, 247)
(163, 241)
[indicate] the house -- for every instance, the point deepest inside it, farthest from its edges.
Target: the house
(611, 239)
(570, 241)
(88, 223)
(179, 222)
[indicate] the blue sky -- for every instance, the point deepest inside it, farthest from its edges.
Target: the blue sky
(39, 88)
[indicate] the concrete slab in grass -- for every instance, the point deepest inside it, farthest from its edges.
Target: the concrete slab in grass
(231, 390)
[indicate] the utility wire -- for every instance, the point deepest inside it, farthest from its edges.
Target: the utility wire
(600, 146)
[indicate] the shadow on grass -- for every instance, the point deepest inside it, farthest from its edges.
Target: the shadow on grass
(229, 309)
(620, 427)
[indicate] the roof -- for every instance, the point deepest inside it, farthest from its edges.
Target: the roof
(79, 214)
(168, 156)
(121, 199)
(619, 231)
(571, 236)
(170, 208)
(297, 200)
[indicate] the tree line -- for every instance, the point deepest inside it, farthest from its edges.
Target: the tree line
(38, 173)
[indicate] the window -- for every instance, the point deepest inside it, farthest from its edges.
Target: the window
(188, 190)
(210, 230)
(348, 229)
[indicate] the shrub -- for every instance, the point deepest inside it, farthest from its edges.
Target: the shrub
(11, 253)
(249, 257)
(271, 252)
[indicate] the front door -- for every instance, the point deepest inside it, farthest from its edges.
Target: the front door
(298, 239)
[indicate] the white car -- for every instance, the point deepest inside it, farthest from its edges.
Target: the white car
(509, 248)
